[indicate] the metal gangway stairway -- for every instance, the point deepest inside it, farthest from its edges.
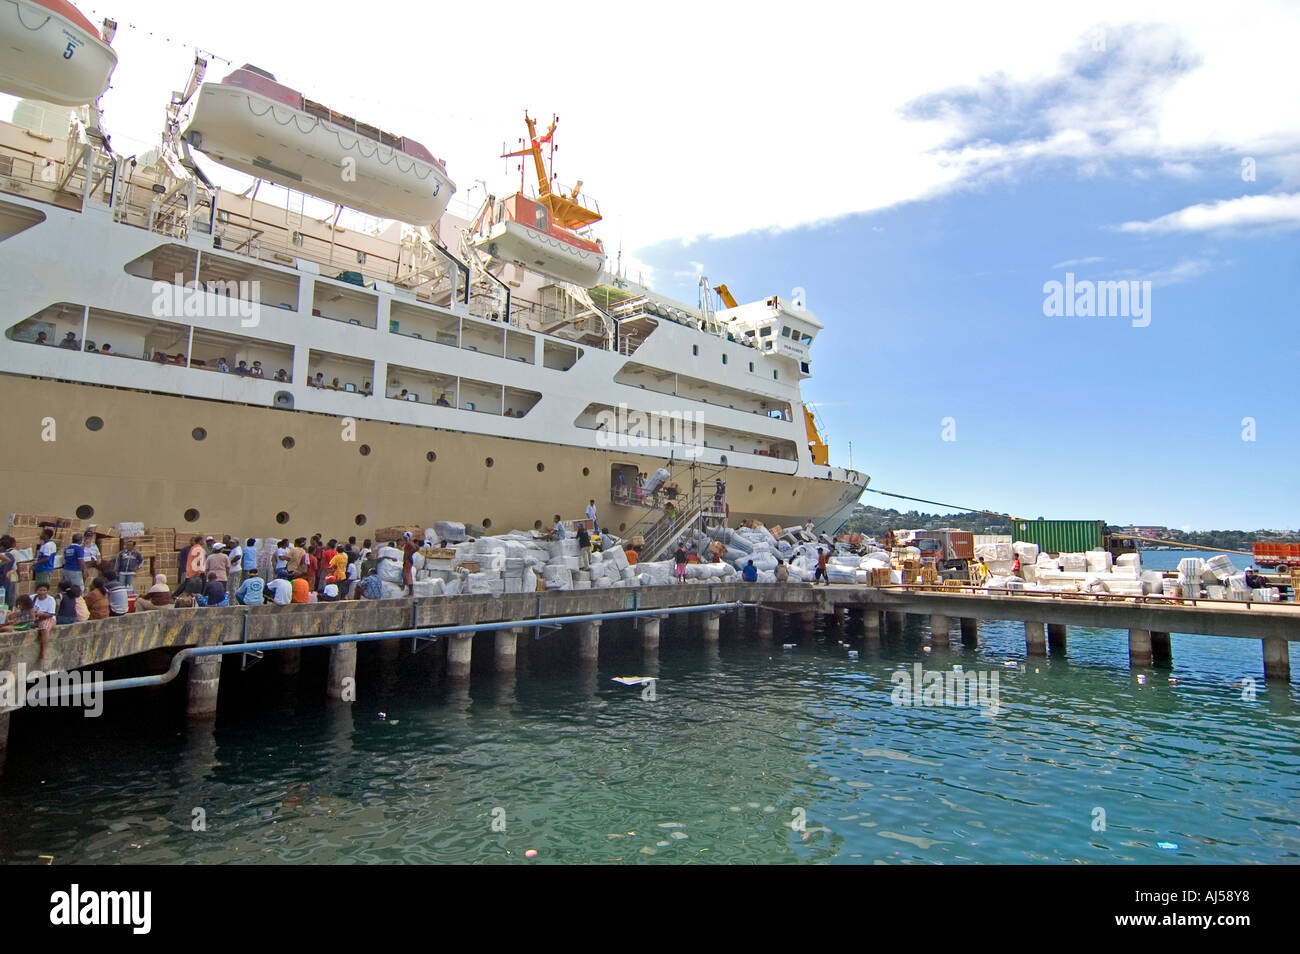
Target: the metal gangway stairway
(697, 510)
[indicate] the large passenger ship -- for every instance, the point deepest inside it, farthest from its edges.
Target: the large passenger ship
(185, 355)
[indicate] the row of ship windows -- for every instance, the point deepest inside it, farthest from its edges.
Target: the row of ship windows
(695, 350)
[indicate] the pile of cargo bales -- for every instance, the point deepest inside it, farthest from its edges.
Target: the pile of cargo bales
(1094, 571)
(1217, 579)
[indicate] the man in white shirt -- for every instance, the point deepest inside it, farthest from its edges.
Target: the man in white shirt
(559, 528)
(236, 553)
(591, 514)
(281, 591)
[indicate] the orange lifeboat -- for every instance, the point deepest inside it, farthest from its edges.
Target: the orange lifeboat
(542, 234)
(52, 53)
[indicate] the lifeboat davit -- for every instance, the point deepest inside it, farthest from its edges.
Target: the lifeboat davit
(50, 52)
(523, 232)
(250, 122)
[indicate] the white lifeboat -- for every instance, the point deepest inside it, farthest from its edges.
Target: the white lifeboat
(250, 122)
(50, 52)
(523, 232)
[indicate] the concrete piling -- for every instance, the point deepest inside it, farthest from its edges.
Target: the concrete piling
(1139, 647)
(871, 626)
(1161, 649)
(290, 661)
(649, 635)
(204, 681)
(507, 645)
(894, 623)
(342, 672)
(710, 624)
(970, 631)
(1277, 659)
(460, 650)
(1056, 637)
(939, 635)
(589, 640)
(764, 623)
(1035, 638)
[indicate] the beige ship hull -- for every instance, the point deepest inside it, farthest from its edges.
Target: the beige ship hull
(144, 464)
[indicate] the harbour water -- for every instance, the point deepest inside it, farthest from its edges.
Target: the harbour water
(745, 754)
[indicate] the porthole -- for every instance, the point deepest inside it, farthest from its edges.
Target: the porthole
(489, 462)
(359, 520)
(282, 517)
(198, 434)
(364, 450)
(94, 423)
(486, 523)
(793, 492)
(586, 471)
(191, 515)
(431, 457)
(622, 527)
(540, 467)
(85, 512)
(751, 488)
(287, 443)
(537, 524)
(773, 490)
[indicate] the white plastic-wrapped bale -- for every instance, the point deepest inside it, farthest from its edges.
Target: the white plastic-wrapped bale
(1028, 552)
(616, 556)
(391, 591)
(390, 571)
(557, 577)
(423, 589)
(1129, 559)
(1190, 570)
(1048, 561)
(449, 531)
(1074, 563)
(1217, 569)
(1099, 561)
(655, 574)
(1153, 582)
(389, 553)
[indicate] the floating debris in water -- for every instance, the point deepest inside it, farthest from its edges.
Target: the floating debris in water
(853, 654)
(633, 680)
(671, 825)
(1167, 845)
(787, 645)
(383, 715)
(530, 853)
(1142, 680)
(1011, 664)
(679, 835)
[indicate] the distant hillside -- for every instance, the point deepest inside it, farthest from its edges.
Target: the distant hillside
(875, 521)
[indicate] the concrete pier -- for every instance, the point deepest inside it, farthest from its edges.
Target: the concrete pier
(1139, 647)
(894, 623)
(970, 631)
(710, 623)
(507, 645)
(1035, 638)
(1056, 633)
(1161, 649)
(204, 681)
(939, 635)
(1277, 659)
(589, 640)
(387, 649)
(342, 672)
(460, 650)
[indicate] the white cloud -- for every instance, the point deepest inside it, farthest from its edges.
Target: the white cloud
(784, 119)
(1078, 261)
(1251, 211)
(1184, 271)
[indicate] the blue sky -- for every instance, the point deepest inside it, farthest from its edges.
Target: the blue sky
(922, 170)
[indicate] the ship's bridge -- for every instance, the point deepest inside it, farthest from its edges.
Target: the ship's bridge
(775, 327)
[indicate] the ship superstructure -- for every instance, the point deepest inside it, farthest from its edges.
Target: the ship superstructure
(220, 359)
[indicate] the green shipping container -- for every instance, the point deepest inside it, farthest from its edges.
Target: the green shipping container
(1061, 536)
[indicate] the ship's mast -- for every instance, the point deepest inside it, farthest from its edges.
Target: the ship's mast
(567, 211)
